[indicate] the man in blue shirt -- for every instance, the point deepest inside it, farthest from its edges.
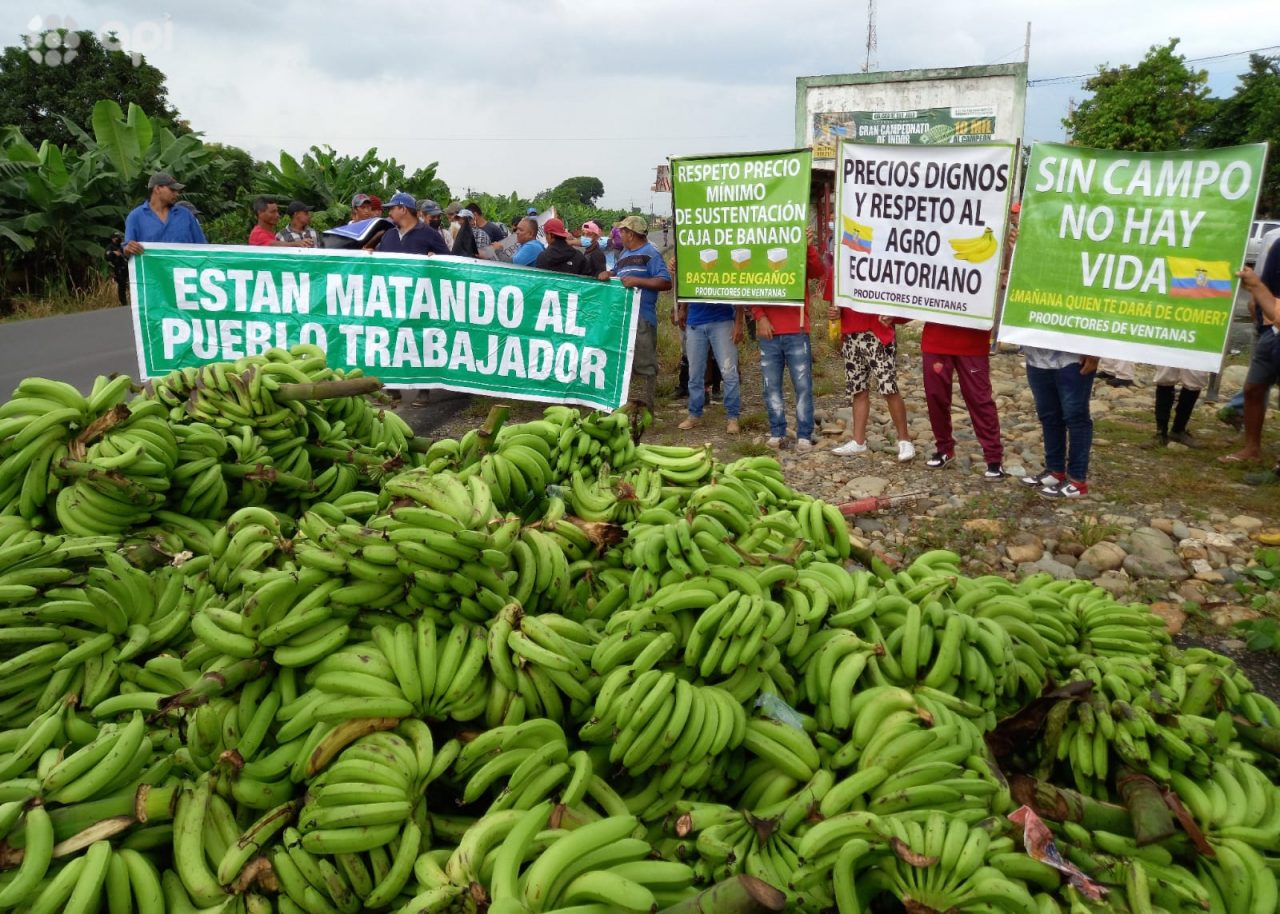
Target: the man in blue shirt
(640, 266)
(530, 245)
(409, 235)
(159, 219)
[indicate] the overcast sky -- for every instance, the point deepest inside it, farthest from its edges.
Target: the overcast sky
(520, 95)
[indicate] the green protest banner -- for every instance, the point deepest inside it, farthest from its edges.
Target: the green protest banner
(425, 322)
(920, 230)
(740, 227)
(1132, 255)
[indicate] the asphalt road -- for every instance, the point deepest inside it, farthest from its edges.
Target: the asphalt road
(70, 347)
(76, 348)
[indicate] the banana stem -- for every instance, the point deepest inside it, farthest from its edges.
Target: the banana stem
(214, 683)
(327, 390)
(492, 425)
(740, 895)
(1152, 820)
(1063, 805)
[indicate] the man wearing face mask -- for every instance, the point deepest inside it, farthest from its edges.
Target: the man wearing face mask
(592, 249)
(431, 215)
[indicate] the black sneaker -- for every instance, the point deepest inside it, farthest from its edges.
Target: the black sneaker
(994, 471)
(939, 460)
(1042, 479)
(1065, 490)
(1159, 440)
(1186, 439)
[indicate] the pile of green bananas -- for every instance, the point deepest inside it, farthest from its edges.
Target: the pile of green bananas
(268, 654)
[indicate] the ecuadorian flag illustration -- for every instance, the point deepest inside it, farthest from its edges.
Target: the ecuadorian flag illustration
(856, 236)
(1191, 278)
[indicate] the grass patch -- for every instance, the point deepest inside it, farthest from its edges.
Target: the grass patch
(753, 422)
(750, 448)
(101, 293)
(1136, 474)
(1090, 530)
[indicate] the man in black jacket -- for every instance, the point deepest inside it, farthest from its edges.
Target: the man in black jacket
(593, 250)
(559, 256)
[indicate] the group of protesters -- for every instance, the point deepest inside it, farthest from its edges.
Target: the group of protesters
(1061, 382)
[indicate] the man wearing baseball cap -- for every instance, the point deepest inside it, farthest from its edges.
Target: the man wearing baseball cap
(560, 256)
(640, 266)
(298, 230)
(592, 249)
(409, 235)
(431, 215)
(362, 207)
(158, 219)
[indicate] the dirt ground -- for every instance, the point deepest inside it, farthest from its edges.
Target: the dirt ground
(1130, 482)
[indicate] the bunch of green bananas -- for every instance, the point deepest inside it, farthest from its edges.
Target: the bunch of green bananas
(315, 667)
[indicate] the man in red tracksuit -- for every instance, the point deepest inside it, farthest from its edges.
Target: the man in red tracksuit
(963, 352)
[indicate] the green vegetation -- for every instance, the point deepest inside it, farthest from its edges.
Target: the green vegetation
(1161, 104)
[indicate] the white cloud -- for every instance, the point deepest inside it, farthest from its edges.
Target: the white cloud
(520, 95)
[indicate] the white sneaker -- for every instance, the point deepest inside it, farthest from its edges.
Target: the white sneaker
(849, 449)
(803, 445)
(774, 442)
(906, 451)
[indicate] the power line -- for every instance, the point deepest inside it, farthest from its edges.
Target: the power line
(1052, 80)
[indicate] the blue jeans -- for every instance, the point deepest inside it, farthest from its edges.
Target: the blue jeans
(716, 337)
(1062, 403)
(792, 351)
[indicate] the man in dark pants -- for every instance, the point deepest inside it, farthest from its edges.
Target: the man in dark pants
(1263, 366)
(640, 266)
(119, 265)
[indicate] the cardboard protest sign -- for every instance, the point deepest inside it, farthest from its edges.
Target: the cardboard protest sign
(1132, 255)
(920, 229)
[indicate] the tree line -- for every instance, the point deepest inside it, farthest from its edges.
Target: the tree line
(79, 140)
(1162, 103)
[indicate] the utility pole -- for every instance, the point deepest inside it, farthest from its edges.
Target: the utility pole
(870, 62)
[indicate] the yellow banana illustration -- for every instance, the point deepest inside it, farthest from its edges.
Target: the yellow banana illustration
(977, 249)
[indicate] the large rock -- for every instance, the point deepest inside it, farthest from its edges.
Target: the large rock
(1052, 566)
(1229, 615)
(1086, 571)
(1139, 567)
(1025, 548)
(1246, 523)
(1173, 616)
(1115, 583)
(1104, 556)
(866, 486)
(1150, 543)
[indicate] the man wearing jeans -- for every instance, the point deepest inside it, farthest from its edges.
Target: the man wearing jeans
(1061, 383)
(714, 329)
(640, 266)
(783, 334)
